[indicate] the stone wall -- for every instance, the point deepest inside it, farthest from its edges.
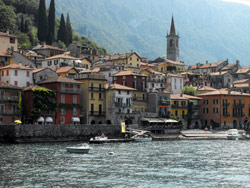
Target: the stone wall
(41, 133)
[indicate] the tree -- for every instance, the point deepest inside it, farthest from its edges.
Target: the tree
(22, 24)
(68, 31)
(189, 90)
(42, 30)
(62, 30)
(7, 18)
(51, 23)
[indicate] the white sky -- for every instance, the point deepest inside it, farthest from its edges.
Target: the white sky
(246, 2)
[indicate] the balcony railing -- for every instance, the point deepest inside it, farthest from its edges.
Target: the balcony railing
(240, 105)
(10, 112)
(69, 90)
(226, 104)
(96, 89)
(178, 106)
(96, 113)
(9, 98)
(164, 102)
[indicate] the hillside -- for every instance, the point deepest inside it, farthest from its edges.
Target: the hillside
(209, 29)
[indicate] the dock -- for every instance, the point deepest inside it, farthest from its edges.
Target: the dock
(110, 141)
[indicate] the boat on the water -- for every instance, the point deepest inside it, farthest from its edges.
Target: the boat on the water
(233, 134)
(142, 138)
(79, 149)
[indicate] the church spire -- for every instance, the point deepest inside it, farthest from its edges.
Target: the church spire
(172, 29)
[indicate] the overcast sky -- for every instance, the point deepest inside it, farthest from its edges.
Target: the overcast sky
(246, 2)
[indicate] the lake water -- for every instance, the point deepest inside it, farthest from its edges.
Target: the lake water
(184, 163)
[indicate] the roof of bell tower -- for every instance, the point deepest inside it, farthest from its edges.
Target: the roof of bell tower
(172, 28)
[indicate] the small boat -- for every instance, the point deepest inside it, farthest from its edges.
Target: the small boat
(142, 138)
(79, 149)
(98, 138)
(232, 134)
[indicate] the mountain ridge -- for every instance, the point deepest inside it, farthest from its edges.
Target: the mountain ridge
(209, 30)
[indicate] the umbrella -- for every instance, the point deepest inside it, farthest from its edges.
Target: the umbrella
(17, 121)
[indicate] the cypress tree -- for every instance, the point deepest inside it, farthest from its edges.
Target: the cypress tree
(26, 26)
(68, 31)
(42, 31)
(62, 30)
(22, 24)
(51, 22)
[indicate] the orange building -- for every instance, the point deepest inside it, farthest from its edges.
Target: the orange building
(223, 109)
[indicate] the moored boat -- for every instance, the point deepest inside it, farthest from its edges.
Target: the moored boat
(79, 149)
(232, 134)
(142, 138)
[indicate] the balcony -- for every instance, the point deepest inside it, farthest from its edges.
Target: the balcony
(9, 98)
(96, 113)
(163, 102)
(178, 106)
(226, 114)
(123, 104)
(70, 90)
(96, 89)
(239, 105)
(226, 104)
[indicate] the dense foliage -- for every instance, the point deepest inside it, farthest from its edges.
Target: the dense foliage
(42, 29)
(51, 23)
(189, 90)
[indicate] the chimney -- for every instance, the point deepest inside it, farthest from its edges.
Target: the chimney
(132, 51)
(237, 63)
(198, 65)
(8, 32)
(206, 61)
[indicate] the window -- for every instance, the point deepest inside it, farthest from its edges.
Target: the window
(2, 73)
(127, 92)
(124, 83)
(27, 84)
(134, 85)
(100, 87)
(92, 95)
(74, 111)
(92, 109)
(15, 83)
(124, 77)
(62, 120)
(1, 107)
(215, 110)
(205, 102)
(92, 86)
(62, 111)
(119, 91)
(215, 101)
(62, 98)
(143, 97)
(137, 59)
(16, 72)
(49, 63)
(142, 109)
(110, 74)
(205, 110)
(12, 40)
(74, 99)
(28, 73)
(7, 72)
(130, 58)
(100, 95)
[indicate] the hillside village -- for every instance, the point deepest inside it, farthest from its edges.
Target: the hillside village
(48, 85)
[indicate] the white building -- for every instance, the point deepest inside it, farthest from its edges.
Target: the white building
(17, 75)
(175, 83)
(61, 60)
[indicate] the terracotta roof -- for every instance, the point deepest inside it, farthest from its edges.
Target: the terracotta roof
(59, 79)
(152, 71)
(61, 56)
(33, 54)
(6, 85)
(34, 87)
(97, 69)
(8, 35)
(178, 97)
(4, 54)
(193, 67)
(175, 75)
(16, 66)
(40, 47)
(147, 64)
(120, 56)
(206, 88)
(241, 81)
(224, 92)
(64, 69)
(218, 73)
(190, 97)
(127, 73)
(216, 63)
(121, 87)
(205, 66)
(228, 67)
(38, 70)
(242, 70)
(175, 62)
(241, 85)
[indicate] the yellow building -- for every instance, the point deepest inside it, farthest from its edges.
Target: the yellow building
(85, 63)
(92, 97)
(179, 105)
(68, 71)
(171, 66)
(8, 41)
(131, 59)
(140, 102)
(5, 58)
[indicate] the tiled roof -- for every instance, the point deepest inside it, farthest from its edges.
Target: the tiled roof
(8, 35)
(59, 79)
(34, 87)
(206, 88)
(6, 85)
(4, 54)
(45, 46)
(242, 70)
(97, 69)
(120, 56)
(33, 54)
(218, 73)
(228, 67)
(175, 62)
(38, 70)
(147, 64)
(205, 66)
(241, 85)
(175, 75)
(121, 87)
(64, 69)
(178, 97)
(16, 66)
(127, 73)
(241, 81)
(61, 56)
(193, 67)
(224, 92)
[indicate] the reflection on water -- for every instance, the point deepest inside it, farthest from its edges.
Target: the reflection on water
(214, 163)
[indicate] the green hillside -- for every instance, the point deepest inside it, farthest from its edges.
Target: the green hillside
(209, 29)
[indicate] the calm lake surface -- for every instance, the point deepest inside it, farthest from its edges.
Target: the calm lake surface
(185, 163)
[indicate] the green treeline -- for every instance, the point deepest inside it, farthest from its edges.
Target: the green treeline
(34, 23)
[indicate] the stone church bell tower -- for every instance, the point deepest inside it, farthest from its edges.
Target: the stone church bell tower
(172, 43)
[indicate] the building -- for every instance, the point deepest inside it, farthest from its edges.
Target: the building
(165, 65)
(175, 83)
(92, 97)
(221, 79)
(8, 41)
(68, 98)
(6, 58)
(67, 71)
(10, 107)
(47, 50)
(179, 106)
(43, 74)
(80, 51)
(243, 73)
(119, 108)
(16, 74)
(224, 109)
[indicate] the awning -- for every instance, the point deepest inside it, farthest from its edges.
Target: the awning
(49, 119)
(152, 120)
(40, 119)
(75, 119)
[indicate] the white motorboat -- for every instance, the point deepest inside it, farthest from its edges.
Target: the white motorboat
(232, 134)
(142, 138)
(79, 149)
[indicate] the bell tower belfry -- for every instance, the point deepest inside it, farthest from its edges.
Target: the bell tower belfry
(172, 43)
